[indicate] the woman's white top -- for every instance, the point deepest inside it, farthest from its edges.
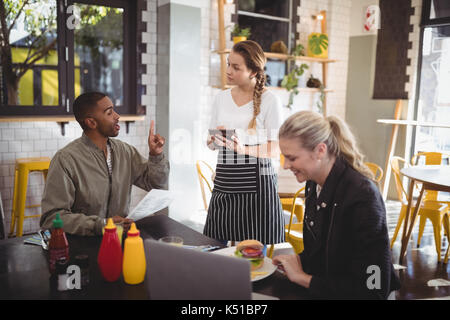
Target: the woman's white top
(226, 113)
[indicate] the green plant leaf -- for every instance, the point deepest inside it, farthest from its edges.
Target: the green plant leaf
(317, 44)
(238, 32)
(299, 50)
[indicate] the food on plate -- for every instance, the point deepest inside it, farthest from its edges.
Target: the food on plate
(255, 274)
(251, 250)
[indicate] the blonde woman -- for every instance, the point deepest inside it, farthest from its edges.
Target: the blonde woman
(245, 202)
(346, 244)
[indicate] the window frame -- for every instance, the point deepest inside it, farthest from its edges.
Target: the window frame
(293, 19)
(425, 19)
(292, 27)
(132, 65)
(425, 22)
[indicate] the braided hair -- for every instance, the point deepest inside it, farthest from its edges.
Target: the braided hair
(255, 60)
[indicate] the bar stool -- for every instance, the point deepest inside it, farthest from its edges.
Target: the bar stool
(23, 168)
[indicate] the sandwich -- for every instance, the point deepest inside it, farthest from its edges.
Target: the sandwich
(252, 250)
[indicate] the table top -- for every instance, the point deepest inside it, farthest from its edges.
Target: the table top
(431, 174)
(24, 270)
(414, 123)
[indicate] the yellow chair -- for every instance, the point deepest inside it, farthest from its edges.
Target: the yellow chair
(376, 170)
(287, 203)
(294, 231)
(203, 179)
(431, 158)
(447, 226)
(435, 211)
(23, 168)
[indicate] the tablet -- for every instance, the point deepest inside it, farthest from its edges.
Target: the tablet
(226, 133)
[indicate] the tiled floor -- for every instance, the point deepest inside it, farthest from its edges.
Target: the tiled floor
(421, 263)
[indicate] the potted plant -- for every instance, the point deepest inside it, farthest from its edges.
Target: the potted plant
(240, 34)
(319, 104)
(299, 50)
(290, 82)
(318, 45)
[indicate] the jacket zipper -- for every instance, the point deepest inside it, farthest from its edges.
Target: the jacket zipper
(110, 182)
(328, 238)
(109, 195)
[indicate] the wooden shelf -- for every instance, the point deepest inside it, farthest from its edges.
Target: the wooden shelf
(306, 90)
(310, 90)
(222, 51)
(63, 120)
(281, 56)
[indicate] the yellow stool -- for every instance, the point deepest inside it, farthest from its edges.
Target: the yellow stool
(23, 167)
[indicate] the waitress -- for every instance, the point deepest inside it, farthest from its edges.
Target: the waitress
(245, 202)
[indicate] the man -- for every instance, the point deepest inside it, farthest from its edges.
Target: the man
(90, 179)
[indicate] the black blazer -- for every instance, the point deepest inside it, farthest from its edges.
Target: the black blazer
(346, 241)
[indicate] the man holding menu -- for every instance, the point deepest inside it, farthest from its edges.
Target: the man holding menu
(90, 179)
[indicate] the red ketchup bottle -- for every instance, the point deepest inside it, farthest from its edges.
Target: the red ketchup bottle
(110, 255)
(58, 246)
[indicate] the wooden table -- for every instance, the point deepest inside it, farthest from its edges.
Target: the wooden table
(24, 271)
(432, 178)
(290, 194)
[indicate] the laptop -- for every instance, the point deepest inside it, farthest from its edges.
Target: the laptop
(177, 273)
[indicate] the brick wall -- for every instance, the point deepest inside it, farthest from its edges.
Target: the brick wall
(27, 139)
(36, 139)
(338, 26)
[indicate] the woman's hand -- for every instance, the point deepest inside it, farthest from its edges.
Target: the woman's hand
(211, 142)
(291, 265)
(231, 144)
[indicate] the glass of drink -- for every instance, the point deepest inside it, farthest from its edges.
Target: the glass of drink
(174, 240)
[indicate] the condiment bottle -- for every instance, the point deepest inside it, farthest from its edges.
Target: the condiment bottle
(110, 255)
(58, 246)
(134, 264)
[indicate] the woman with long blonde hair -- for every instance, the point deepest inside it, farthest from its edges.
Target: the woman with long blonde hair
(346, 244)
(245, 202)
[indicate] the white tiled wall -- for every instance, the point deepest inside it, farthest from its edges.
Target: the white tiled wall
(35, 139)
(27, 139)
(338, 27)
(338, 16)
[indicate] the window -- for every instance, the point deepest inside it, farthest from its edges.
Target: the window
(270, 21)
(433, 101)
(58, 49)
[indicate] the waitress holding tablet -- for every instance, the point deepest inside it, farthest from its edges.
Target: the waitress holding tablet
(245, 202)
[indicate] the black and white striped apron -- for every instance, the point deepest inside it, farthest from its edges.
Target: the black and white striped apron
(245, 202)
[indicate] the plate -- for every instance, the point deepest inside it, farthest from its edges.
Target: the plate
(268, 268)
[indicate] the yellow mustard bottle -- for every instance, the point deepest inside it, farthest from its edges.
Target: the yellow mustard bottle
(134, 264)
